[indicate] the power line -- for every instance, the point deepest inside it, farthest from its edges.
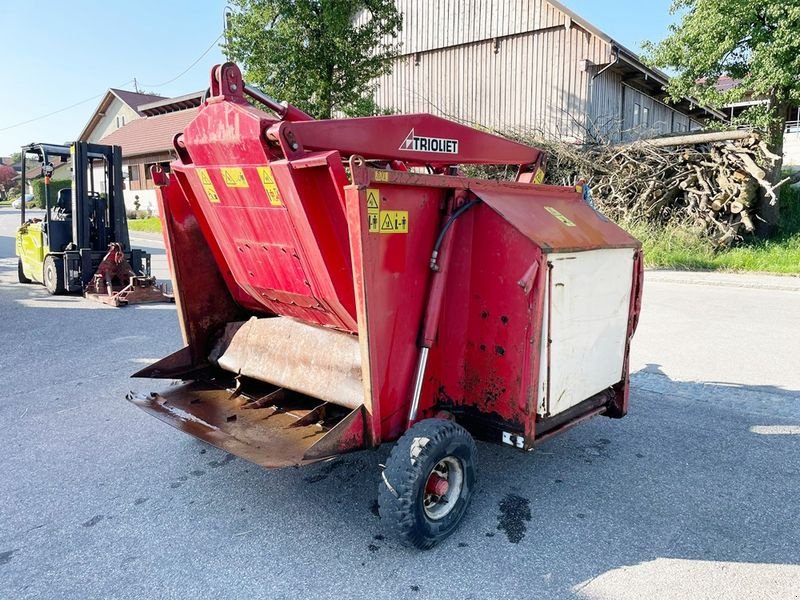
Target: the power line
(60, 110)
(187, 69)
(84, 101)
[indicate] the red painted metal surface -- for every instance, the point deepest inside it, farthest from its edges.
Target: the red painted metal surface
(267, 217)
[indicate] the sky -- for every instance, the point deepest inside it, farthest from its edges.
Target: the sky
(68, 53)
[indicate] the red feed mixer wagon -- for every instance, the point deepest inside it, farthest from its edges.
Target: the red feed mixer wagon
(340, 285)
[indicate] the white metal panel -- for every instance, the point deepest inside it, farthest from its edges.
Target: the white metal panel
(589, 307)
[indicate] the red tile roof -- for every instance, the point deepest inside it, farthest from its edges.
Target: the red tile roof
(726, 83)
(149, 135)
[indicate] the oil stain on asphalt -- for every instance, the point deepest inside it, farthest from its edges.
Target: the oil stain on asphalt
(515, 512)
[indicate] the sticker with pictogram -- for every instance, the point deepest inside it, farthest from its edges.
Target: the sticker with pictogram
(373, 200)
(268, 181)
(234, 177)
(208, 186)
(393, 221)
(373, 210)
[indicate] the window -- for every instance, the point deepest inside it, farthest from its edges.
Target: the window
(120, 121)
(133, 173)
(636, 114)
(645, 116)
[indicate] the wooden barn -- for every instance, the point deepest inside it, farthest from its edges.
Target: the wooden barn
(527, 65)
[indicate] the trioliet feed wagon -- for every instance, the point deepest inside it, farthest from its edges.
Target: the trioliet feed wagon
(340, 286)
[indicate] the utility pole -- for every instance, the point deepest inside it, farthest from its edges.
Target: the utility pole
(227, 15)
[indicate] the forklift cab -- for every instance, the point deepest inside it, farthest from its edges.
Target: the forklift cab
(63, 249)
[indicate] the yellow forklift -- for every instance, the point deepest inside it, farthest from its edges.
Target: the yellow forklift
(81, 243)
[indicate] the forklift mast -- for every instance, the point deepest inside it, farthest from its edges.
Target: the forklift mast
(97, 223)
(94, 222)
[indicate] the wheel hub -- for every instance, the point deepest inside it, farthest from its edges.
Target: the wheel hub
(443, 487)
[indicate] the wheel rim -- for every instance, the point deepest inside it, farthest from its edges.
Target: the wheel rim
(439, 499)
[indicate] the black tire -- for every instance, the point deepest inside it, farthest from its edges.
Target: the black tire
(403, 504)
(53, 275)
(20, 273)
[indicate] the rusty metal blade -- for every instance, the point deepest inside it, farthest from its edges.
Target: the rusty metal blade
(177, 365)
(264, 436)
(316, 361)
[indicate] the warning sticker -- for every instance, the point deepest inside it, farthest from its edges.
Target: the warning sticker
(559, 216)
(538, 177)
(234, 177)
(268, 181)
(381, 175)
(373, 196)
(374, 222)
(373, 210)
(393, 221)
(208, 186)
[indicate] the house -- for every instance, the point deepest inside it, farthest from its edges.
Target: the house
(528, 65)
(143, 125)
(791, 134)
(116, 109)
(147, 142)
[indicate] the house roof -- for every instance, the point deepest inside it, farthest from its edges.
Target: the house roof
(634, 71)
(131, 99)
(166, 105)
(150, 135)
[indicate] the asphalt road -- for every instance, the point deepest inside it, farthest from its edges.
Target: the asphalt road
(696, 494)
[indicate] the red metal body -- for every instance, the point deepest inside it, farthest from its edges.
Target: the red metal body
(327, 224)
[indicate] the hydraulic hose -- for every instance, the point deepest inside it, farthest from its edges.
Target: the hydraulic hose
(457, 213)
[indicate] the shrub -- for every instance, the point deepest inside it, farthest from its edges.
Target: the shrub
(55, 186)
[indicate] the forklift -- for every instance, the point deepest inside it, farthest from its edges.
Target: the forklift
(81, 244)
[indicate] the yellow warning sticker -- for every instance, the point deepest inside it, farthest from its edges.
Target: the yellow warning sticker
(374, 222)
(234, 177)
(538, 177)
(208, 186)
(373, 210)
(381, 175)
(268, 181)
(392, 221)
(373, 199)
(559, 216)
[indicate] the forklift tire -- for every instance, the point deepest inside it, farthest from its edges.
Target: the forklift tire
(53, 276)
(21, 274)
(428, 482)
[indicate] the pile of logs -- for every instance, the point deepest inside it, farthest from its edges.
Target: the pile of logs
(709, 183)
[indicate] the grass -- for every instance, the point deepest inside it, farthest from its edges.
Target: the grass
(678, 249)
(149, 225)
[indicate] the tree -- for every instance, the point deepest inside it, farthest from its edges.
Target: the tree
(320, 55)
(7, 174)
(754, 41)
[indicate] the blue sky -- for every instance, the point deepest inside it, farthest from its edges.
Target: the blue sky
(61, 53)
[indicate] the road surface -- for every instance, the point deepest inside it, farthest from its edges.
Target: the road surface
(694, 495)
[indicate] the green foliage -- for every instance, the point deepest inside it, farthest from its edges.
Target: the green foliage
(319, 55)
(756, 41)
(55, 186)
